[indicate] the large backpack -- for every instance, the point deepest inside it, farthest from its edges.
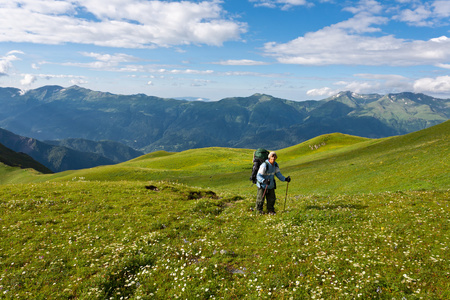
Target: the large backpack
(259, 156)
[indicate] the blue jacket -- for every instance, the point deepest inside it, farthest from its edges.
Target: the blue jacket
(268, 171)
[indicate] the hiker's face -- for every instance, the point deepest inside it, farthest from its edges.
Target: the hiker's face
(272, 159)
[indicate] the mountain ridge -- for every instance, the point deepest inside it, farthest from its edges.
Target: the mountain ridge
(114, 151)
(21, 160)
(149, 123)
(70, 154)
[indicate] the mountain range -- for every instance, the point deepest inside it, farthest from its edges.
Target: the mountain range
(70, 154)
(148, 123)
(21, 160)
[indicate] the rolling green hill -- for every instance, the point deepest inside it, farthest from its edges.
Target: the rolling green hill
(340, 164)
(364, 218)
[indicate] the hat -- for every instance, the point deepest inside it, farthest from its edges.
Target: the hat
(273, 153)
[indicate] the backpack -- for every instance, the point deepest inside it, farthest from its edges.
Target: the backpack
(259, 156)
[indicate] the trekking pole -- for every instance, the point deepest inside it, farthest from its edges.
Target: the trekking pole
(287, 186)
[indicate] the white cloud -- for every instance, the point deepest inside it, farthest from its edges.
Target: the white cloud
(367, 6)
(385, 83)
(118, 23)
(241, 62)
(5, 65)
(426, 13)
(360, 40)
(444, 66)
(361, 23)
(385, 77)
(188, 71)
(442, 8)
(78, 81)
(361, 87)
(116, 58)
(346, 43)
(418, 17)
(325, 91)
(283, 4)
(251, 74)
(6, 62)
(438, 85)
(44, 6)
(381, 83)
(12, 52)
(367, 84)
(28, 79)
(104, 61)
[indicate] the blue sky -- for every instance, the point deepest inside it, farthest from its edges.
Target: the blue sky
(292, 49)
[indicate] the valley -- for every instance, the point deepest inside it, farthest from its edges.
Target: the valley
(362, 218)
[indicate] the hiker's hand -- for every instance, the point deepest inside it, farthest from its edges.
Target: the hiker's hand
(267, 181)
(288, 179)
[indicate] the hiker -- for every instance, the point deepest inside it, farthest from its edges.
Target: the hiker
(266, 183)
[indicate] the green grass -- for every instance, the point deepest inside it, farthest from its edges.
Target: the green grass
(363, 218)
(101, 240)
(341, 164)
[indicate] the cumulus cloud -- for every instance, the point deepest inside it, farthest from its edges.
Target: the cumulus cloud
(417, 16)
(28, 79)
(428, 13)
(6, 62)
(325, 91)
(382, 83)
(438, 85)
(367, 6)
(352, 42)
(444, 66)
(118, 23)
(367, 84)
(78, 81)
(442, 8)
(5, 65)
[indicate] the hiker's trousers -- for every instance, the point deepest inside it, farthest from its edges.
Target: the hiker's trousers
(269, 196)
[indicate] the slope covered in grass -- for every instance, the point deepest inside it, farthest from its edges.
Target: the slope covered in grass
(328, 164)
(10, 174)
(419, 160)
(119, 240)
(363, 219)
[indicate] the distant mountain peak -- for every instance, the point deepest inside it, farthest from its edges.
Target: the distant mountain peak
(262, 97)
(353, 99)
(151, 123)
(349, 94)
(44, 92)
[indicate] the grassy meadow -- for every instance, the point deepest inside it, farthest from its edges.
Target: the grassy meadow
(362, 218)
